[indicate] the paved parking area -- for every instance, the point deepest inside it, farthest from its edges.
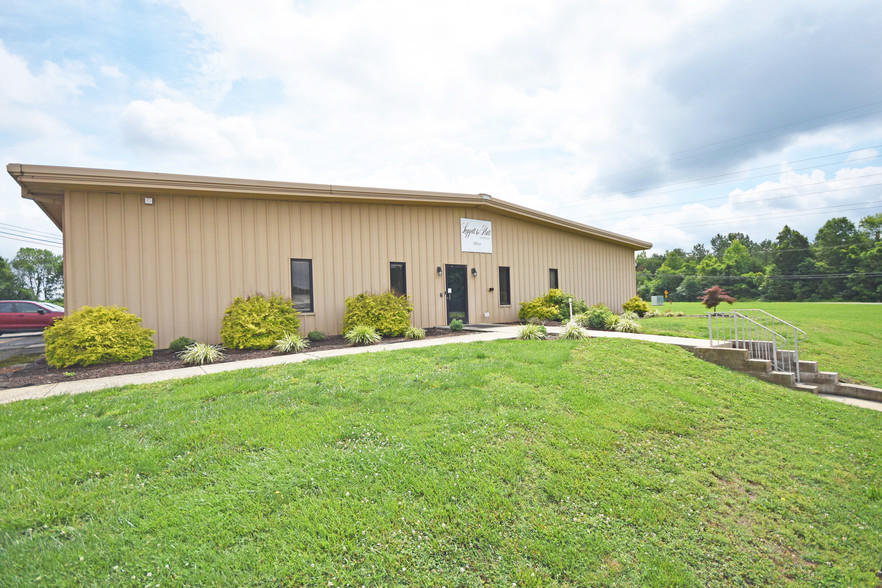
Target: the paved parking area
(20, 343)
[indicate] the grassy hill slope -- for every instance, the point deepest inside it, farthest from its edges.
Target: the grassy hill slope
(545, 463)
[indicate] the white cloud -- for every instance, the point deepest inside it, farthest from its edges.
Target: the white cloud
(573, 108)
(53, 84)
(801, 200)
(178, 135)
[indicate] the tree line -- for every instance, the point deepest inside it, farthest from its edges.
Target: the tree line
(33, 274)
(843, 262)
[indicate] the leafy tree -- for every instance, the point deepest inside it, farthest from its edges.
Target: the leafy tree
(871, 227)
(736, 259)
(866, 281)
(673, 264)
(710, 266)
(791, 248)
(713, 296)
(40, 270)
(699, 252)
(649, 263)
(689, 290)
(11, 287)
(720, 243)
(777, 287)
(832, 240)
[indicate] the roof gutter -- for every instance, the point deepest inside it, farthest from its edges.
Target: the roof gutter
(40, 182)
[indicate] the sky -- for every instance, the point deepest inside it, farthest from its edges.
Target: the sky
(666, 120)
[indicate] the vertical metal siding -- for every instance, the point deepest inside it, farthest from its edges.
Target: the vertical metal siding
(179, 262)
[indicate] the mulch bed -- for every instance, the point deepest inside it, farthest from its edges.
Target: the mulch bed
(39, 372)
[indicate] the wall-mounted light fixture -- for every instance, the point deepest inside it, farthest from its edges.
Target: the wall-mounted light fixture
(474, 273)
(438, 269)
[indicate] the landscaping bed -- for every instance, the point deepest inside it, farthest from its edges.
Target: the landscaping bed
(39, 372)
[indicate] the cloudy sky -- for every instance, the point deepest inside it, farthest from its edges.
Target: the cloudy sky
(669, 121)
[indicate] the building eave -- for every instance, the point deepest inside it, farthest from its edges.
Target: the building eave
(47, 185)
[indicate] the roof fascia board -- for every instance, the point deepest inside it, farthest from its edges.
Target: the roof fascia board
(42, 180)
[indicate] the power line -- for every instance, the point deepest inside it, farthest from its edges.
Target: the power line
(28, 239)
(755, 200)
(810, 211)
(54, 234)
(782, 277)
(649, 162)
(621, 195)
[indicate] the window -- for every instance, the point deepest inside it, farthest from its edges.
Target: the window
(27, 307)
(398, 278)
(301, 285)
(504, 286)
(552, 278)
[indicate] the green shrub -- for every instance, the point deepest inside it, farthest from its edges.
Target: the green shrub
(455, 325)
(257, 322)
(538, 309)
(291, 343)
(316, 336)
(414, 333)
(625, 323)
(573, 330)
(561, 300)
(362, 335)
(387, 313)
(595, 318)
(532, 332)
(201, 353)
(99, 334)
(180, 344)
(637, 305)
(553, 306)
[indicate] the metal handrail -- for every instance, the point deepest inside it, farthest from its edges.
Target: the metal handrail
(761, 334)
(779, 320)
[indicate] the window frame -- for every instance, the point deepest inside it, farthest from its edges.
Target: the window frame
(553, 279)
(311, 286)
(403, 265)
(507, 282)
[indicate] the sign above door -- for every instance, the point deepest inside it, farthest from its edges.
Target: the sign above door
(477, 235)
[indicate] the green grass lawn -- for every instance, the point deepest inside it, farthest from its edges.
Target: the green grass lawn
(545, 463)
(844, 338)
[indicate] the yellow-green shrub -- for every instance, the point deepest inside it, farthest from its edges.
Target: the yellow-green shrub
(553, 306)
(99, 334)
(637, 305)
(387, 313)
(257, 322)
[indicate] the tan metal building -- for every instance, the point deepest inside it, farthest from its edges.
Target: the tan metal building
(176, 249)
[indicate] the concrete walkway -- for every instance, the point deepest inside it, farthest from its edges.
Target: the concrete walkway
(80, 386)
(490, 333)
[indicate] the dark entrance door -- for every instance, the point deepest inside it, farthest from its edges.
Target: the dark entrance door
(457, 293)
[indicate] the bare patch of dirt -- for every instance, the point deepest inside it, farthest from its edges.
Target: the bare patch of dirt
(39, 372)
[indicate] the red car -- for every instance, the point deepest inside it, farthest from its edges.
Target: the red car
(22, 316)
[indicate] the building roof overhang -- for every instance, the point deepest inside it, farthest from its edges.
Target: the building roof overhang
(46, 185)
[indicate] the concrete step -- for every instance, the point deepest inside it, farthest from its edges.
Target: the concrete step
(857, 391)
(806, 388)
(811, 379)
(758, 366)
(825, 381)
(787, 379)
(808, 367)
(727, 353)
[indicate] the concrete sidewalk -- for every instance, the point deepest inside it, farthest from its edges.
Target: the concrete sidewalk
(491, 333)
(80, 386)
